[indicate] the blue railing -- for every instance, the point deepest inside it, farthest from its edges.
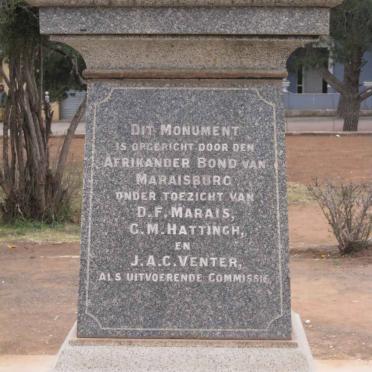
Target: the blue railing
(317, 101)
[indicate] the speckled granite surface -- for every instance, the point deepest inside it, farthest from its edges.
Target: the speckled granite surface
(246, 293)
(186, 57)
(110, 355)
(186, 21)
(190, 3)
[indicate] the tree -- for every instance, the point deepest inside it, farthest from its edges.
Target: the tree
(350, 39)
(31, 188)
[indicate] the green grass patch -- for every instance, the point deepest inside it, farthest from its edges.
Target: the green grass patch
(298, 193)
(39, 232)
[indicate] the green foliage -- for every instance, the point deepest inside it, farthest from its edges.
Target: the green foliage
(19, 30)
(351, 32)
(19, 27)
(351, 29)
(308, 57)
(59, 74)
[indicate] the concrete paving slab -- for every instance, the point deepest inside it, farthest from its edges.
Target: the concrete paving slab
(328, 124)
(343, 365)
(26, 363)
(43, 363)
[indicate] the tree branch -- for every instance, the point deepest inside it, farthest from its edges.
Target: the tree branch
(67, 142)
(366, 94)
(36, 158)
(76, 71)
(2, 73)
(8, 115)
(333, 81)
(5, 185)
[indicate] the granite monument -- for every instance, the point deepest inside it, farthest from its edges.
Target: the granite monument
(184, 249)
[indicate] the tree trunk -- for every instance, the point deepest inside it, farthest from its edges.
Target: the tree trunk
(350, 100)
(341, 107)
(350, 113)
(32, 189)
(66, 145)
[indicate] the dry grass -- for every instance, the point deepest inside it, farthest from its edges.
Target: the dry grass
(298, 193)
(39, 232)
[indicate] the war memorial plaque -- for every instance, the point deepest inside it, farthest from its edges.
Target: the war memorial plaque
(185, 216)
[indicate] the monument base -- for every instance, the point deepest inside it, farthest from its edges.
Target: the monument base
(171, 355)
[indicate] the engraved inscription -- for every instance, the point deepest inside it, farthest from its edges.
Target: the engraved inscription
(184, 204)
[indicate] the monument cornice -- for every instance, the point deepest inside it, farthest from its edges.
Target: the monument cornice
(185, 3)
(183, 57)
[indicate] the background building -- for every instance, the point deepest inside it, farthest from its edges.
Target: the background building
(309, 94)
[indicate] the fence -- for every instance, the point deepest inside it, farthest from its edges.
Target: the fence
(317, 101)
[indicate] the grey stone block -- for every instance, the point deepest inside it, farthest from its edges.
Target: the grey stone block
(184, 3)
(190, 56)
(110, 355)
(186, 21)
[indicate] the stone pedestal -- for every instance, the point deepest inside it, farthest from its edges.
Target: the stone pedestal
(184, 226)
(119, 355)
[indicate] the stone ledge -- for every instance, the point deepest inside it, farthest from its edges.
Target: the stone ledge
(176, 343)
(186, 3)
(120, 355)
(189, 57)
(185, 74)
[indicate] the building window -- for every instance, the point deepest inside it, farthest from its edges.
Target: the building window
(305, 79)
(300, 80)
(325, 87)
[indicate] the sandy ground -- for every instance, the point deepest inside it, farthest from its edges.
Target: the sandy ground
(347, 158)
(308, 228)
